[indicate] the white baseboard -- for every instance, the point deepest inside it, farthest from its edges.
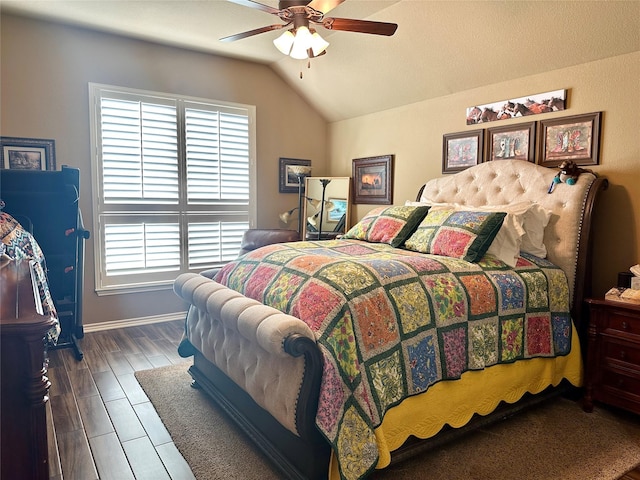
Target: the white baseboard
(133, 322)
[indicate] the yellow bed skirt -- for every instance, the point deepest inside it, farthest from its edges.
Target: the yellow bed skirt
(478, 391)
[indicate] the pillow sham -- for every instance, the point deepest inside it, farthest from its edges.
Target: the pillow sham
(534, 219)
(456, 233)
(391, 225)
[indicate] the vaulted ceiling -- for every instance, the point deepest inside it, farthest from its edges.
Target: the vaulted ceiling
(440, 47)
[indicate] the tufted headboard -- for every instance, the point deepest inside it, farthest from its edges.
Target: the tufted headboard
(511, 181)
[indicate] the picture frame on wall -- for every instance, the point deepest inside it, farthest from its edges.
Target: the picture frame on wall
(513, 142)
(574, 138)
(373, 180)
(288, 177)
(461, 150)
(27, 153)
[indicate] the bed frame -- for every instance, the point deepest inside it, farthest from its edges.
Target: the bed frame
(306, 455)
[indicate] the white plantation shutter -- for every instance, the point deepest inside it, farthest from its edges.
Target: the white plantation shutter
(214, 242)
(217, 146)
(174, 185)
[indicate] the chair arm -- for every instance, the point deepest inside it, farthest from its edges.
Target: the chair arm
(257, 237)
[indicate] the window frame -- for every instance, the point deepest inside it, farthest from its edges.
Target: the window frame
(184, 212)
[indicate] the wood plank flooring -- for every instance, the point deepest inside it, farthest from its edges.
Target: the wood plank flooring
(101, 423)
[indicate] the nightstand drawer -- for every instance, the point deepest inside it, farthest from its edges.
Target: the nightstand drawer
(612, 372)
(618, 351)
(624, 383)
(619, 322)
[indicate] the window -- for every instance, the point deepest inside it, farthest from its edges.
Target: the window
(174, 179)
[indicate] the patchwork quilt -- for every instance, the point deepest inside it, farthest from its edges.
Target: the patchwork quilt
(392, 322)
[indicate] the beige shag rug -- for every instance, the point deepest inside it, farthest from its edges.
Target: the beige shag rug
(554, 441)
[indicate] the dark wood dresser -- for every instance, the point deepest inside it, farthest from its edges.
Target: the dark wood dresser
(24, 386)
(613, 355)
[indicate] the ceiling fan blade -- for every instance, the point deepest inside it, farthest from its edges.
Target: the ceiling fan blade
(324, 5)
(259, 6)
(361, 26)
(250, 33)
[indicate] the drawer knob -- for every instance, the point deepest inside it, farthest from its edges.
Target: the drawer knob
(620, 383)
(623, 355)
(625, 326)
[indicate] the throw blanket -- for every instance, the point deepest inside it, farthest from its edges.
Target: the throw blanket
(392, 322)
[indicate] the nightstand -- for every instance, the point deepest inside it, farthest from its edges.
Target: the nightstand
(613, 355)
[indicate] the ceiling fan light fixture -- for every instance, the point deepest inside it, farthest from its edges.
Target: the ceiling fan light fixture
(284, 42)
(318, 44)
(301, 43)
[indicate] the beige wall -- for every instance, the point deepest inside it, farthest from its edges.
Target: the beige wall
(46, 69)
(414, 134)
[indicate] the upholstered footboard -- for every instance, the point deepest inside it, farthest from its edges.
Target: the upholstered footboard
(246, 353)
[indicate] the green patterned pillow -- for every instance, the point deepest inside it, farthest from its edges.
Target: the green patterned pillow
(456, 233)
(391, 225)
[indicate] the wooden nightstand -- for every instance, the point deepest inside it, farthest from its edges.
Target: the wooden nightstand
(613, 355)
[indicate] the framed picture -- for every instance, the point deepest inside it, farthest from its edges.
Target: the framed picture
(373, 180)
(288, 176)
(574, 138)
(27, 153)
(515, 142)
(532, 104)
(338, 210)
(461, 150)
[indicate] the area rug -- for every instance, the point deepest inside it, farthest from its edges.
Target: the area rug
(556, 440)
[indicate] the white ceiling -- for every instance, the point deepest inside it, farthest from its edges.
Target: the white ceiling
(441, 47)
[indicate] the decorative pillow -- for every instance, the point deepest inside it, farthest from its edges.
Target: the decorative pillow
(458, 234)
(529, 225)
(391, 225)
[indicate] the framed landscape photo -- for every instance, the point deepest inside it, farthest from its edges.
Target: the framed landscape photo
(574, 138)
(373, 180)
(288, 176)
(27, 153)
(514, 142)
(461, 150)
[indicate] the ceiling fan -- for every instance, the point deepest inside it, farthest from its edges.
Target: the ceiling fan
(302, 41)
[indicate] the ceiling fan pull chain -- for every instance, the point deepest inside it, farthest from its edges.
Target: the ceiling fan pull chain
(308, 66)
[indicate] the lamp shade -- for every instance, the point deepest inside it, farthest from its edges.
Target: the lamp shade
(318, 44)
(284, 42)
(301, 43)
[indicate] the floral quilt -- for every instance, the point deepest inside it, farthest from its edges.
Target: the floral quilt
(391, 322)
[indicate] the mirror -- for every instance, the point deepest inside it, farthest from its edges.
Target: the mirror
(331, 217)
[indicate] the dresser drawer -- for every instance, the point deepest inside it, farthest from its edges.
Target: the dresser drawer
(612, 374)
(620, 351)
(622, 382)
(619, 322)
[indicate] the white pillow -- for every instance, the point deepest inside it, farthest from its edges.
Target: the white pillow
(536, 220)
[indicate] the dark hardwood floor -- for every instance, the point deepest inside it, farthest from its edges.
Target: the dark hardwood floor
(101, 423)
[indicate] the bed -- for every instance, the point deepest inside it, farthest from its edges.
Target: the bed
(339, 357)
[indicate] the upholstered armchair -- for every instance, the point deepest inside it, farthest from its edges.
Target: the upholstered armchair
(259, 237)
